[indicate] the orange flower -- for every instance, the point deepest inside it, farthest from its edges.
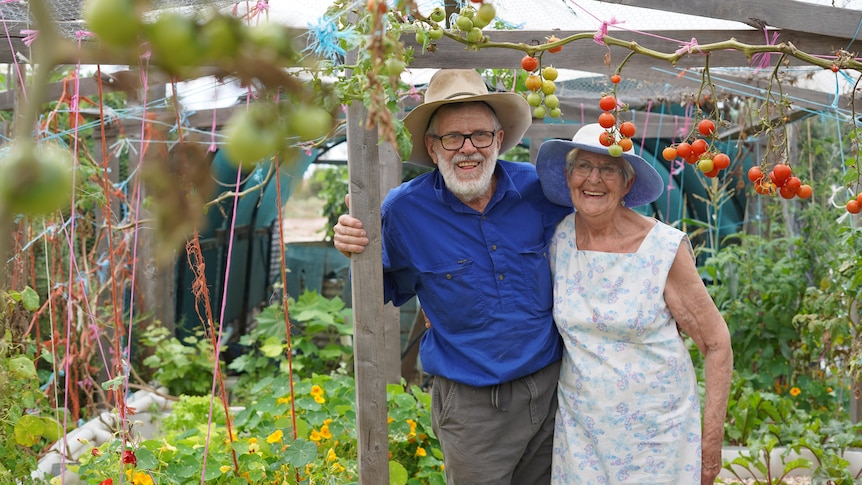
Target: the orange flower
(795, 391)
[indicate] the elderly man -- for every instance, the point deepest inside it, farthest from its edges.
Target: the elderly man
(470, 239)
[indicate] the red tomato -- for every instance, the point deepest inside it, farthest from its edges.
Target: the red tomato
(805, 191)
(627, 129)
(755, 173)
(699, 146)
(607, 103)
(607, 120)
(706, 127)
(529, 63)
(616, 78)
(721, 161)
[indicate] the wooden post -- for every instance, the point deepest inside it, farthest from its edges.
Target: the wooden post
(369, 348)
(390, 176)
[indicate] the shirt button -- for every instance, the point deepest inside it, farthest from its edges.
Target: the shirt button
(494, 247)
(501, 277)
(448, 276)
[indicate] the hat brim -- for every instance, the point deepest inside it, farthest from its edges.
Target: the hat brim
(551, 167)
(511, 109)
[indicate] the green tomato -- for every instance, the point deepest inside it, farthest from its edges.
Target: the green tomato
(220, 37)
(548, 87)
(394, 67)
(539, 112)
(421, 37)
(253, 135)
(310, 122)
(474, 35)
(555, 113)
(550, 73)
(487, 13)
(552, 101)
(534, 98)
(438, 14)
(115, 21)
(36, 180)
(175, 42)
(615, 150)
(435, 34)
(464, 23)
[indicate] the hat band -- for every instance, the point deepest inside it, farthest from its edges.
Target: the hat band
(463, 93)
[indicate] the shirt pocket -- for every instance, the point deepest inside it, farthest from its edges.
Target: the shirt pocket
(459, 305)
(538, 287)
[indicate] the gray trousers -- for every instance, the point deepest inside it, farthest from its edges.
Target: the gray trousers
(497, 435)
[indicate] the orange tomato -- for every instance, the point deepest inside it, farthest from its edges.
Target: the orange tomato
(805, 191)
(554, 50)
(854, 207)
(533, 82)
(626, 144)
(616, 78)
(669, 153)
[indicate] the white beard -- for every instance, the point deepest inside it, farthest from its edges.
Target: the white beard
(471, 187)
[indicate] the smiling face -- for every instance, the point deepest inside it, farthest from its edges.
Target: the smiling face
(597, 183)
(468, 171)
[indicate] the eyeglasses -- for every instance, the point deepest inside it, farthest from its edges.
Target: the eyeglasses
(584, 169)
(454, 141)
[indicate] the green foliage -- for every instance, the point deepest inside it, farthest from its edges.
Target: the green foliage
(758, 288)
(321, 331)
(287, 431)
(183, 367)
(766, 422)
(332, 186)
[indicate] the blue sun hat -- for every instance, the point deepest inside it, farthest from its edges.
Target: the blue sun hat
(551, 166)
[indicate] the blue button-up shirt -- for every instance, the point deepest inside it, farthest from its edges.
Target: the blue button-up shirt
(483, 279)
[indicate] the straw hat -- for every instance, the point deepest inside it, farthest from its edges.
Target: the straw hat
(551, 166)
(459, 86)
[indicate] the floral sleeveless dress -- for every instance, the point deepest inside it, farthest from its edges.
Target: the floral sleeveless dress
(629, 410)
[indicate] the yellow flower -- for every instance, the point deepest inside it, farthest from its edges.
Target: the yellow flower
(412, 427)
(795, 391)
(331, 456)
(316, 390)
(167, 447)
(275, 437)
(828, 389)
(315, 435)
(225, 468)
(337, 468)
(319, 399)
(421, 451)
(283, 400)
(389, 420)
(141, 478)
(252, 440)
(324, 431)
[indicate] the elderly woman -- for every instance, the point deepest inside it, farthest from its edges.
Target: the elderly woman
(625, 285)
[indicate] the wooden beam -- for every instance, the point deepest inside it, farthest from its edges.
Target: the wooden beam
(804, 17)
(588, 56)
